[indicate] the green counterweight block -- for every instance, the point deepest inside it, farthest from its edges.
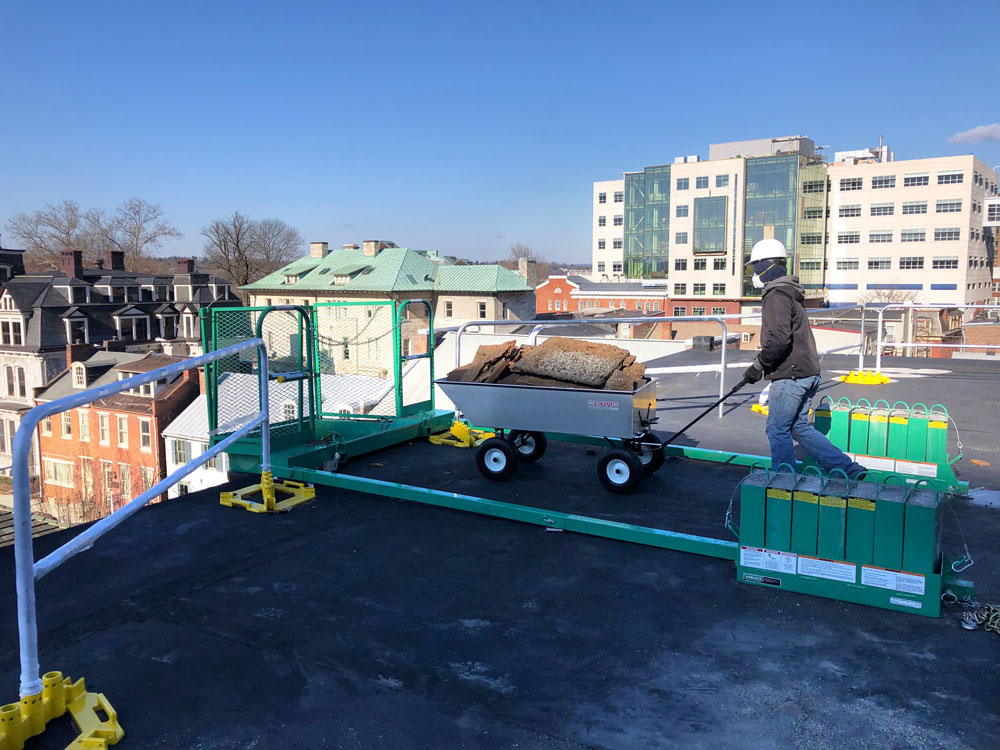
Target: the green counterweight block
(860, 544)
(899, 427)
(752, 507)
(890, 501)
(778, 512)
(822, 416)
(916, 436)
(922, 532)
(832, 519)
(878, 430)
(805, 515)
(937, 435)
(840, 423)
(860, 417)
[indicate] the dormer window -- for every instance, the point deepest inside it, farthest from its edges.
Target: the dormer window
(10, 333)
(146, 389)
(7, 303)
(79, 375)
(291, 278)
(341, 279)
(79, 295)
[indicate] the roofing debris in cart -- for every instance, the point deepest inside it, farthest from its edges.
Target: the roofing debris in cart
(557, 362)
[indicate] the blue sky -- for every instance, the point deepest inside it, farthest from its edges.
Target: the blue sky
(462, 127)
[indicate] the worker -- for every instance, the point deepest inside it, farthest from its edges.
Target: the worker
(789, 360)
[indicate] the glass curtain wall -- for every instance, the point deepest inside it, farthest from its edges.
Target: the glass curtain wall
(710, 224)
(811, 245)
(635, 222)
(647, 223)
(772, 185)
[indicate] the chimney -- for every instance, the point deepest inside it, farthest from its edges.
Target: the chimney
(373, 247)
(349, 246)
(115, 260)
(185, 265)
(318, 249)
(529, 270)
(71, 263)
(77, 353)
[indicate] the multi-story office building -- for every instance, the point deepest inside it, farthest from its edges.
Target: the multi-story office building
(693, 223)
(609, 231)
(914, 226)
(991, 228)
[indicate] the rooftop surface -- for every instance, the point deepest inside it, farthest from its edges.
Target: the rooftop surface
(361, 622)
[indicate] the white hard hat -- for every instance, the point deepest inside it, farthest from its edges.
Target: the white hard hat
(766, 249)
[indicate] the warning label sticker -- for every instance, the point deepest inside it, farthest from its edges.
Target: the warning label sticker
(905, 602)
(909, 583)
(768, 559)
(832, 569)
(609, 405)
(917, 468)
(764, 580)
(878, 463)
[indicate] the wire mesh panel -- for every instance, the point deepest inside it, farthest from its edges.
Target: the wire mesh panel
(233, 384)
(355, 358)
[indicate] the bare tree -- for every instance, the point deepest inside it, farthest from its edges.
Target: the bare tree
(136, 227)
(519, 251)
(887, 296)
(243, 249)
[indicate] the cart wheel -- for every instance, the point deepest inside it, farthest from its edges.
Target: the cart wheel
(652, 458)
(620, 470)
(530, 445)
(496, 459)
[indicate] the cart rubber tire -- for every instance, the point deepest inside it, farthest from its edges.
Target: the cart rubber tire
(652, 459)
(530, 445)
(620, 470)
(496, 459)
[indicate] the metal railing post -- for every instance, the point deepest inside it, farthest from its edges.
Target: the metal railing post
(722, 362)
(24, 557)
(861, 341)
(878, 340)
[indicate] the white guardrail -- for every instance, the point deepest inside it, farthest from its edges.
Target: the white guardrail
(880, 344)
(27, 570)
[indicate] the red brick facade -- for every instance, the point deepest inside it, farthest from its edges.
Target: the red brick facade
(562, 294)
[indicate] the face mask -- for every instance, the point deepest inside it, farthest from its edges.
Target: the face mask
(757, 283)
(762, 270)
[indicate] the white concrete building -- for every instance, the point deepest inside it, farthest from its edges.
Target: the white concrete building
(187, 438)
(609, 231)
(909, 228)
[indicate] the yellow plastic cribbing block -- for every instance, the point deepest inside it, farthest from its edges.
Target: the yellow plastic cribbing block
(460, 435)
(864, 377)
(95, 717)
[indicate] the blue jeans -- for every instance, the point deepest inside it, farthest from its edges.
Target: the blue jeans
(788, 417)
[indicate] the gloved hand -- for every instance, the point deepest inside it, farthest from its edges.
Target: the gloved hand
(753, 373)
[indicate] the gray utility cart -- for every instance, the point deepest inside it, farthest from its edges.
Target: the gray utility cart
(521, 415)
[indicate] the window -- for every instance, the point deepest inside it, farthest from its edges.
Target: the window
(950, 178)
(848, 211)
(10, 332)
(993, 212)
(680, 264)
(123, 432)
(67, 424)
(915, 180)
(718, 264)
(180, 447)
(103, 429)
(47, 426)
(722, 180)
(619, 196)
(851, 183)
(679, 311)
(83, 417)
(698, 289)
(616, 266)
(849, 238)
(681, 238)
(147, 477)
(719, 290)
(813, 212)
(600, 266)
(600, 244)
(79, 375)
(619, 220)
(948, 233)
(617, 243)
(883, 209)
(814, 186)
(886, 181)
(718, 311)
(912, 235)
(15, 381)
(914, 207)
(602, 221)
(812, 238)
(449, 308)
(683, 183)
(482, 310)
(697, 310)
(680, 289)
(944, 263)
(681, 211)
(879, 237)
(656, 305)
(602, 197)
(911, 263)
(58, 472)
(949, 206)
(558, 304)
(700, 264)
(125, 481)
(879, 264)
(701, 182)
(810, 264)
(645, 306)
(551, 305)
(848, 264)
(638, 305)
(145, 435)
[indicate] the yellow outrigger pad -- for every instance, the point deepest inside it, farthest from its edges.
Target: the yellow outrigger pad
(295, 493)
(865, 377)
(461, 435)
